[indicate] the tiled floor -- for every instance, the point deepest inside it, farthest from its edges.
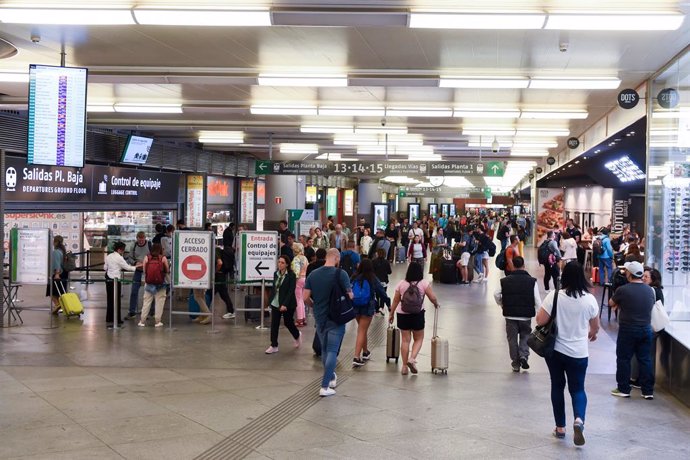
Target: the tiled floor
(81, 392)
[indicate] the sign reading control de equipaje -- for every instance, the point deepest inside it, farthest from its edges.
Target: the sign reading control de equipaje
(258, 255)
(193, 259)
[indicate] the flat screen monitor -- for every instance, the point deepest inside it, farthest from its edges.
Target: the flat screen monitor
(136, 150)
(57, 116)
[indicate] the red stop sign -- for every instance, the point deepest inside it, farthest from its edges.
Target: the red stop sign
(194, 267)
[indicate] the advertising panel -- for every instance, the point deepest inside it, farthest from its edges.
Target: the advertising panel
(220, 190)
(30, 256)
(194, 206)
(379, 212)
(332, 202)
(349, 203)
(550, 211)
(247, 201)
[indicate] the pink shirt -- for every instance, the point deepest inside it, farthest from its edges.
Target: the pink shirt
(402, 287)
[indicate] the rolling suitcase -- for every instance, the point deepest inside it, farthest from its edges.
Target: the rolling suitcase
(69, 301)
(595, 275)
(401, 255)
(439, 349)
(254, 301)
(449, 272)
(392, 343)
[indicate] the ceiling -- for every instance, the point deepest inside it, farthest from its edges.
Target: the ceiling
(212, 72)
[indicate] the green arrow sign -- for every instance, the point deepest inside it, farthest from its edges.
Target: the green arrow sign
(263, 167)
(494, 169)
(487, 192)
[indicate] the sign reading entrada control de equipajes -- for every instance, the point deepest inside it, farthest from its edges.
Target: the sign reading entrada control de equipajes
(258, 254)
(32, 183)
(193, 259)
(377, 168)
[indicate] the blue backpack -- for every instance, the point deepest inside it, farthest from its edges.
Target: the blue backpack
(361, 291)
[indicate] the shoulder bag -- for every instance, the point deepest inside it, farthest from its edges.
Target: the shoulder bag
(543, 338)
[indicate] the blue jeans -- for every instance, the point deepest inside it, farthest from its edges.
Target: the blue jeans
(134, 295)
(478, 265)
(634, 340)
(331, 336)
(504, 244)
(560, 367)
(608, 263)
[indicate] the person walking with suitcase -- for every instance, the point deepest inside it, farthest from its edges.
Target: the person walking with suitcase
(408, 306)
(283, 304)
(365, 287)
(518, 296)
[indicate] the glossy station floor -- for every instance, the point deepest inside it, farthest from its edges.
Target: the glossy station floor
(80, 391)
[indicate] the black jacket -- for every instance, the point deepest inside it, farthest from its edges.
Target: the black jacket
(286, 296)
(517, 293)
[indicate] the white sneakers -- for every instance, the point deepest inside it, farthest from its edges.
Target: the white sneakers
(159, 324)
(229, 316)
(271, 350)
(333, 383)
(323, 392)
(478, 279)
(298, 340)
(141, 324)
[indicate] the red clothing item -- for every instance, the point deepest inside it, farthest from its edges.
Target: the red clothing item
(510, 253)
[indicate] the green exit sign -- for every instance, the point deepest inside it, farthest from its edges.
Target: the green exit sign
(402, 193)
(494, 169)
(263, 167)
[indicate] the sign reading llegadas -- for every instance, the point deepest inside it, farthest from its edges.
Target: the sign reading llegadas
(31, 183)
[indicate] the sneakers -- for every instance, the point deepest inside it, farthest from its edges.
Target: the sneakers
(619, 393)
(635, 384)
(229, 316)
(356, 362)
(478, 279)
(578, 435)
(366, 356)
(206, 320)
(648, 397)
(485, 280)
(141, 324)
(333, 383)
(130, 316)
(271, 350)
(298, 341)
(516, 366)
(524, 364)
(159, 324)
(323, 392)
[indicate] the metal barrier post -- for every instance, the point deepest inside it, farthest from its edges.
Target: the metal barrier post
(117, 286)
(263, 305)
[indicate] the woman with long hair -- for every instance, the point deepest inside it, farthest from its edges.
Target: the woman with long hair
(283, 303)
(59, 276)
(577, 321)
(320, 240)
(365, 286)
(299, 267)
(411, 319)
(365, 242)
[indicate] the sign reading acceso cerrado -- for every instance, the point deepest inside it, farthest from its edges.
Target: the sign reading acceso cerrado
(192, 259)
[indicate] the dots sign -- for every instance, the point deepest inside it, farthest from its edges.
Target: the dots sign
(628, 98)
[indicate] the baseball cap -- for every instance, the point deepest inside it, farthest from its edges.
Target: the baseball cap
(635, 269)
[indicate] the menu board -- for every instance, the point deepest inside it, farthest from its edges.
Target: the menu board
(57, 116)
(30, 256)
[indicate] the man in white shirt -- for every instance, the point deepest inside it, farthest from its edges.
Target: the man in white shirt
(113, 266)
(519, 298)
(415, 230)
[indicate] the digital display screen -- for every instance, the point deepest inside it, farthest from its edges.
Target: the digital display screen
(137, 150)
(57, 116)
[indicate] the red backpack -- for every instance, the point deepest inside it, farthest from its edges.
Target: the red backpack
(155, 271)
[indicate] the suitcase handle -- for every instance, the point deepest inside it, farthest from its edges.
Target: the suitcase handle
(57, 284)
(435, 333)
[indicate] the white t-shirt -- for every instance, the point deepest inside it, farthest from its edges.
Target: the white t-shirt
(572, 320)
(569, 248)
(402, 287)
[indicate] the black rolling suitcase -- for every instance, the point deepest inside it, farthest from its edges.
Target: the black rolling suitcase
(253, 301)
(449, 272)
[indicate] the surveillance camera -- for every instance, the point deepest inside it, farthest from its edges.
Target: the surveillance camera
(36, 38)
(495, 149)
(563, 46)
(383, 122)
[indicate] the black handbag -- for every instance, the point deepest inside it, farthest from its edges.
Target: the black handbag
(543, 338)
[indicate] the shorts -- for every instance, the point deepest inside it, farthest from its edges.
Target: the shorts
(465, 259)
(411, 322)
(365, 310)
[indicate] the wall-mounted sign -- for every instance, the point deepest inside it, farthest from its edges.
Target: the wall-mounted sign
(194, 207)
(349, 203)
(668, 98)
(310, 195)
(573, 143)
(628, 98)
(550, 161)
(220, 190)
(247, 201)
(332, 202)
(30, 255)
(382, 168)
(539, 170)
(531, 176)
(260, 192)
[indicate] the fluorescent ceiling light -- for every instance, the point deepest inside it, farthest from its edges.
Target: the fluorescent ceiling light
(333, 157)
(396, 150)
(529, 153)
(379, 139)
(374, 129)
(449, 20)
(625, 170)
(282, 110)
(14, 77)
(534, 145)
(326, 129)
(221, 137)
(682, 112)
(306, 149)
(616, 21)
(487, 132)
(542, 132)
(469, 113)
(66, 16)
(302, 80)
(418, 112)
(98, 107)
(488, 142)
(352, 111)
(148, 108)
(575, 83)
(183, 17)
(483, 82)
(558, 114)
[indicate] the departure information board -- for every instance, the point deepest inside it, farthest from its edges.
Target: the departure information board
(57, 116)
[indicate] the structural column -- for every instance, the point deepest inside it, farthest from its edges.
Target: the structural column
(283, 192)
(367, 192)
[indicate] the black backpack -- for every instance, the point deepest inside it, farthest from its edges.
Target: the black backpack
(347, 264)
(543, 253)
(340, 309)
(491, 248)
(501, 260)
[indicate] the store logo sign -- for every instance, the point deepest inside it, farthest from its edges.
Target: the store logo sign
(628, 98)
(11, 179)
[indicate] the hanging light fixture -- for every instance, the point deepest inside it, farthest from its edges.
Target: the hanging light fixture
(495, 146)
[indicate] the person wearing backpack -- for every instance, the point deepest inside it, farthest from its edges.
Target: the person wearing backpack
(365, 286)
(549, 255)
(140, 250)
(155, 268)
(349, 259)
(408, 306)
